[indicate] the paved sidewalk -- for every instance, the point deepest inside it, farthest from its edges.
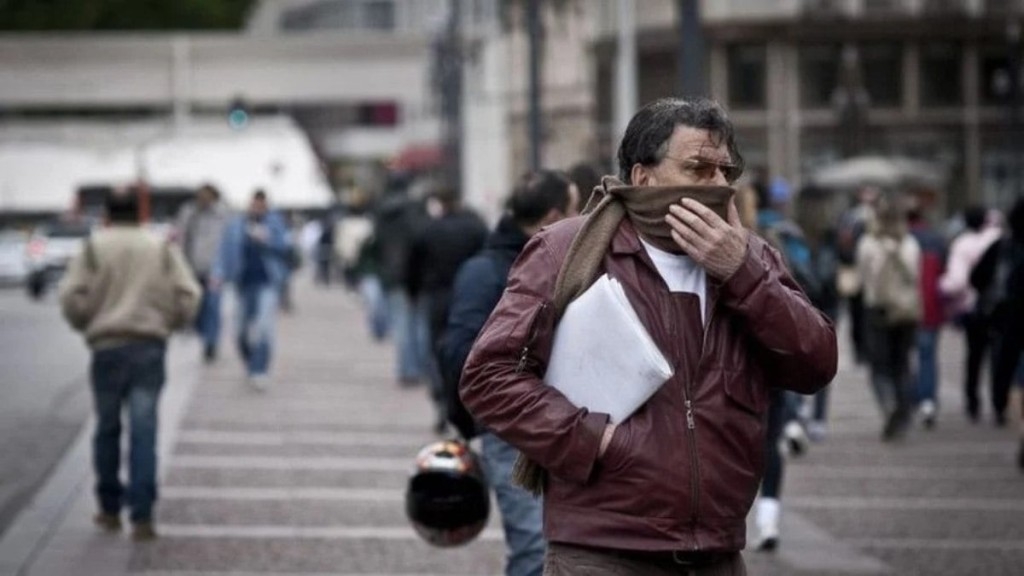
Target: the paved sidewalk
(308, 478)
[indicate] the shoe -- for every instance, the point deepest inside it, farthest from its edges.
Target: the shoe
(973, 413)
(1020, 456)
(209, 353)
(767, 522)
(107, 522)
(797, 442)
(895, 426)
(817, 430)
(441, 426)
(1000, 420)
(928, 412)
(259, 382)
(143, 531)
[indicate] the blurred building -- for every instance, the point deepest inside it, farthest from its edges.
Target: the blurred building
(936, 74)
(353, 74)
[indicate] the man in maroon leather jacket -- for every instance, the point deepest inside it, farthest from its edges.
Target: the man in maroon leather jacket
(668, 489)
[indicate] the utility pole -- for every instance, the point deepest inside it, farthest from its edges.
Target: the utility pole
(691, 49)
(625, 73)
(534, 33)
(449, 69)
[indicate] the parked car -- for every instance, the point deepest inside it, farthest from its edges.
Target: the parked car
(13, 267)
(49, 249)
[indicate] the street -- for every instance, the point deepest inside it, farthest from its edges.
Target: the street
(308, 478)
(45, 394)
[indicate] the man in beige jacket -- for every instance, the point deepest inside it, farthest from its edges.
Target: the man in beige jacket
(126, 292)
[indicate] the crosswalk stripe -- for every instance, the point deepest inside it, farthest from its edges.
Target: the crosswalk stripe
(354, 438)
(884, 503)
(285, 494)
(305, 533)
(293, 463)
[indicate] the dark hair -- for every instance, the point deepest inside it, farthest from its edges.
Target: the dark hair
(974, 217)
(123, 205)
(536, 194)
(259, 194)
(646, 139)
(586, 177)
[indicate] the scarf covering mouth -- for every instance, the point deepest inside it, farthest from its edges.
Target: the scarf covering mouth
(646, 207)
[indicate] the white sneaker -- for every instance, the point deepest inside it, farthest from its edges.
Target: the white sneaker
(767, 522)
(928, 411)
(259, 382)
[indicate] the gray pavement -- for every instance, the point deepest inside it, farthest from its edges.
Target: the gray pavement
(308, 477)
(45, 394)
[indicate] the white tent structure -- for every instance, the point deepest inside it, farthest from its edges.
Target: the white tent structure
(41, 166)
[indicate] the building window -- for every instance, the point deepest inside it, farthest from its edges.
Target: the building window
(939, 74)
(819, 74)
(995, 81)
(882, 67)
(747, 65)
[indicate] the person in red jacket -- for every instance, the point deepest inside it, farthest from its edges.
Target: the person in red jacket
(933, 264)
(668, 489)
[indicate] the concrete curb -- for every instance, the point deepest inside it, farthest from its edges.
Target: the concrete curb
(26, 541)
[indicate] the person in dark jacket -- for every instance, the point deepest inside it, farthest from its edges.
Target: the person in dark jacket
(397, 220)
(998, 279)
(436, 253)
(667, 489)
(538, 200)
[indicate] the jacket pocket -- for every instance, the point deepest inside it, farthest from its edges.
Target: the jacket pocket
(745, 392)
(523, 328)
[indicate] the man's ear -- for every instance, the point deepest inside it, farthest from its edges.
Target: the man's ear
(640, 175)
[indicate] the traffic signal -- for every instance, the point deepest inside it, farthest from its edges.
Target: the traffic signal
(238, 114)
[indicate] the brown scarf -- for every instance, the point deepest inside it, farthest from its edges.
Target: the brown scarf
(646, 207)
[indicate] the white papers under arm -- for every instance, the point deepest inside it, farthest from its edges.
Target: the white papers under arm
(602, 357)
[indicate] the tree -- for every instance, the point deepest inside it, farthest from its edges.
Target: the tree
(54, 15)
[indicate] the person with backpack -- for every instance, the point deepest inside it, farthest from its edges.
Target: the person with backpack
(539, 199)
(126, 292)
(933, 261)
(889, 263)
(962, 299)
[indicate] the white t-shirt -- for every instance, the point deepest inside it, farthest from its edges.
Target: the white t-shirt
(681, 274)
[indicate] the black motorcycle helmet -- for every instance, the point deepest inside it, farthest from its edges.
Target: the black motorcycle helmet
(447, 499)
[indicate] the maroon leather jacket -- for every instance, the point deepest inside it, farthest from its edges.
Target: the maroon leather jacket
(682, 472)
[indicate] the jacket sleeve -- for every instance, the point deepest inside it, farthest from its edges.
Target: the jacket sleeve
(502, 382)
(76, 298)
(474, 295)
(186, 290)
(798, 340)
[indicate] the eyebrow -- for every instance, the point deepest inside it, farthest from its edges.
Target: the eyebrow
(710, 159)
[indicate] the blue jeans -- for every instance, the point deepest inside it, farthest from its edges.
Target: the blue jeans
(208, 318)
(257, 310)
(132, 375)
(375, 305)
(412, 336)
(927, 364)
(521, 513)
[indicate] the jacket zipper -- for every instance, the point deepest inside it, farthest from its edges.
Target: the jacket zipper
(691, 421)
(524, 354)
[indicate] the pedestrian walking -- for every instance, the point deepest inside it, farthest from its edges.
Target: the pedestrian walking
(396, 222)
(538, 200)
(126, 291)
(998, 278)
(889, 263)
(933, 262)
(201, 226)
(851, 227)
(964, 253)
(666, 490)
(254, 256)
(437, 252)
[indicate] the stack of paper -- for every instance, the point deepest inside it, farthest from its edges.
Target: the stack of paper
(602, 358)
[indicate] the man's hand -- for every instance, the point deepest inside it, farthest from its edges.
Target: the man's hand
(606, 438)
(716, 245)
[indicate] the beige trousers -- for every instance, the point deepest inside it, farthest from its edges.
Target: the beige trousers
(567, 560)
